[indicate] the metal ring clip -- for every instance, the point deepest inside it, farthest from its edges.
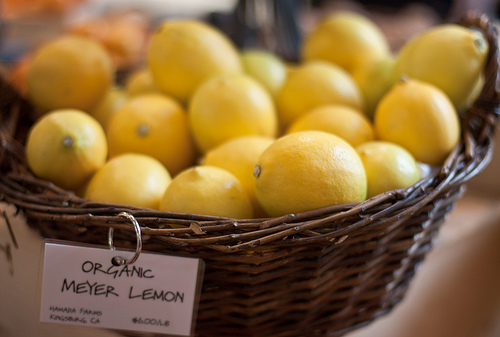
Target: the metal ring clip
(118, 260)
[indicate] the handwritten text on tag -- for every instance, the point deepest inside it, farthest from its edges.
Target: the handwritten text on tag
(157, 293)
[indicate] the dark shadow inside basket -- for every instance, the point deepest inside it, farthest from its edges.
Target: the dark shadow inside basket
(317, 273)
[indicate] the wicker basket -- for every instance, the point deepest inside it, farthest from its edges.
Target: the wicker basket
(317, 273)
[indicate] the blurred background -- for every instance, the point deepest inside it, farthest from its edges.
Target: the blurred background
(272, 24)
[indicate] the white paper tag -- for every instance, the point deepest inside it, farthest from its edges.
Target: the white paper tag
(157, 293)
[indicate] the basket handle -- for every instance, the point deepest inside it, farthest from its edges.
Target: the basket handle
(481, 118)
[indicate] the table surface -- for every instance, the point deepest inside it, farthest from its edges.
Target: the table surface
(455, 293)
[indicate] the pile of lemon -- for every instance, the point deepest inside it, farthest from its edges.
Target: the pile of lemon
(208, 129)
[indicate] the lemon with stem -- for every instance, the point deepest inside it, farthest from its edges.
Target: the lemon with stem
(66, 146)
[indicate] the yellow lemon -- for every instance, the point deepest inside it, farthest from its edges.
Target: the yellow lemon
(345, 39)
(230, 106)
(131, 179)
(374, 79)
(347, 123)
(421, 118)
(156, 125)
(207, 190)
(388, 166)
(140, 82)
(66, 146)
(112, 101)
(313, 84)
(184, 53)
(307, 170)
(69, 72)
(449, 56)
(265, 67)
(239, 156)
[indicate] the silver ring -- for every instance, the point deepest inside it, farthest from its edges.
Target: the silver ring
(119, 260)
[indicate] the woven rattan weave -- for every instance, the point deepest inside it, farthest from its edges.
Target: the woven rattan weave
(318, 273)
